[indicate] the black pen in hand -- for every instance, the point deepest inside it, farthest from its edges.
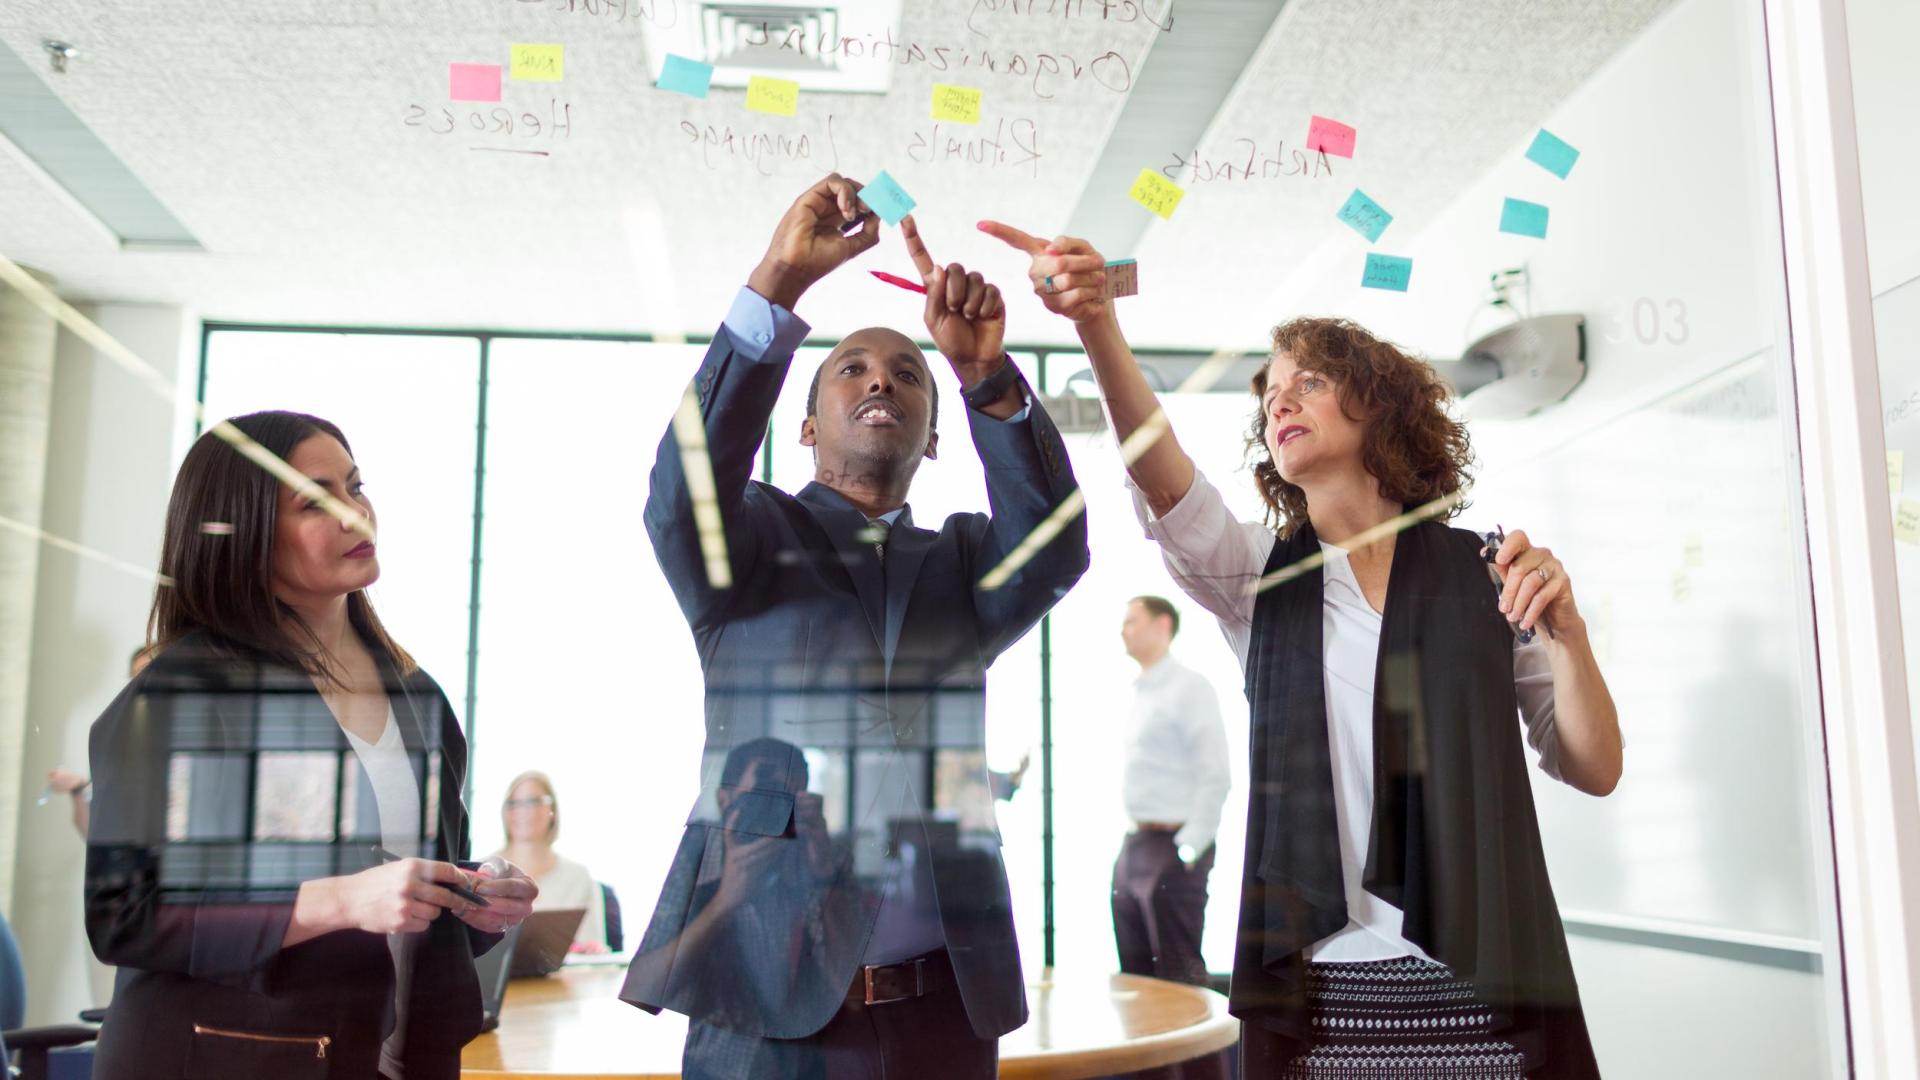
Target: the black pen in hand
(460, 891)
(1489, 551)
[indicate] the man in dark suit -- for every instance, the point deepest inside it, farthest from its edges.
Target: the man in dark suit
(823, 916)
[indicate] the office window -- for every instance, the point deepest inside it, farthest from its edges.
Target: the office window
(587, 669)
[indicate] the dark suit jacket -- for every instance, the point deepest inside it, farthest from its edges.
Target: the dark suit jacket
(871, 675)
(220, 785)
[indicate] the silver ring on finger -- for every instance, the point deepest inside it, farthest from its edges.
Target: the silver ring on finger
(1051, 288)
(1546, 575)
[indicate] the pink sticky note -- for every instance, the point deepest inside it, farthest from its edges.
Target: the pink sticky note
(473, 82)
(1332, 136)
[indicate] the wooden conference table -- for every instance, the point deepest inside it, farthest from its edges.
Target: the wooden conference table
(571, 1024)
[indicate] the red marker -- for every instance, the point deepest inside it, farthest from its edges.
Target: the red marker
(893, 279)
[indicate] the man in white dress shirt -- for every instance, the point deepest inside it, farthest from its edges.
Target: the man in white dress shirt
(1174, 784)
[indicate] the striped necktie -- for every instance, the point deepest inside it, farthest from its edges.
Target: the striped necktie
(876, 534)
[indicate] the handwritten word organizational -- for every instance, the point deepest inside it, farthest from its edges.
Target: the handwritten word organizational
(1109, 70)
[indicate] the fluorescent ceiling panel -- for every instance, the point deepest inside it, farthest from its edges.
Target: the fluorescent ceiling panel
(47, 133)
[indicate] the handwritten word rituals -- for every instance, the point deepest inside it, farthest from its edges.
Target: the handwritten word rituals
(1255, 165)
(497, 127)
(947, 142)
(1109, 70)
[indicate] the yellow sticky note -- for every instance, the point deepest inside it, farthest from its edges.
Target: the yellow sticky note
(779, 97)
(1896, 470)
(1682, 586)
(960, 104)
(539, 63)
(1906, 522)
(1694, 552)
(1157, 193)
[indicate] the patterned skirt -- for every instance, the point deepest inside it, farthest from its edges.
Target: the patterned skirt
(1400, 1019)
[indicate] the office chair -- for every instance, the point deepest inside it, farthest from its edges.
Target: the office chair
(31, 1045)
(616, 935)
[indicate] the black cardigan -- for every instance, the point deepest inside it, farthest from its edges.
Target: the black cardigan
(1454, 842)
(221, 784)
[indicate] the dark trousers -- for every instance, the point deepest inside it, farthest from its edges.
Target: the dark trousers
(1158, 907)
(923, 1038)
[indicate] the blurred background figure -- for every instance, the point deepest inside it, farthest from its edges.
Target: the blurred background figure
(1175, 781)
(1005, 785)
(64, 781)
(531, 817)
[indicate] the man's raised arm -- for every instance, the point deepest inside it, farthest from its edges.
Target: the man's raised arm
(735, 389)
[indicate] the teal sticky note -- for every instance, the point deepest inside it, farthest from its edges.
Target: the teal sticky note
(1552, 153)
(1386, 272)
(884, 196)
(684, 76)
(1524, 218)
(1367, 217)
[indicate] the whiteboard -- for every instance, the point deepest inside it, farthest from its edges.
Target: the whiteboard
(1675, 522)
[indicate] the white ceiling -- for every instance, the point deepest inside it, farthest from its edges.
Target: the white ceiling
(274, 131)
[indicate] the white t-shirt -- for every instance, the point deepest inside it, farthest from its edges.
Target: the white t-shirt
(396, 792)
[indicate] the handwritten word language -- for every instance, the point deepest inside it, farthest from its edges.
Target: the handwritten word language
(1109, 70)
(1254, 166)
(761, 150)
(946, 142)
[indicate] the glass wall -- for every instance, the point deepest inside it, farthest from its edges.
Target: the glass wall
(1613, 316)
(585, 663)
(1886, 90)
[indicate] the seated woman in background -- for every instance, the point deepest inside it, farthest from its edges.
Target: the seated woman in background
(271, 863)
(531, 816)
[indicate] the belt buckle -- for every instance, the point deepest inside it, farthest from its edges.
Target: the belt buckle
(919, 982)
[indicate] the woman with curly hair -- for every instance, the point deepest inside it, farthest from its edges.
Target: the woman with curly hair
(1396, 918)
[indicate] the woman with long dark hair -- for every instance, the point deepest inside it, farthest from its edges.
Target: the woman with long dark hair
(277, 817)
(1396, 918)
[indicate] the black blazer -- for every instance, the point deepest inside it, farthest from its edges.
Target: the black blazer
(220, 785)
(870, 675)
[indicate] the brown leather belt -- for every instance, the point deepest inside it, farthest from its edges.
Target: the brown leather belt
(1155, 826)
(880, 984)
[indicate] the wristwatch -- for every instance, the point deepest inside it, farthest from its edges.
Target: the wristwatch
(993, 387)
(1188, 855)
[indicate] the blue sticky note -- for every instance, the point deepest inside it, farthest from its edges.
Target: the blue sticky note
(884, 196)
(684, 76)
(1367, 217)
(1524, 218)
(1386, 272)
(1552, 153)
